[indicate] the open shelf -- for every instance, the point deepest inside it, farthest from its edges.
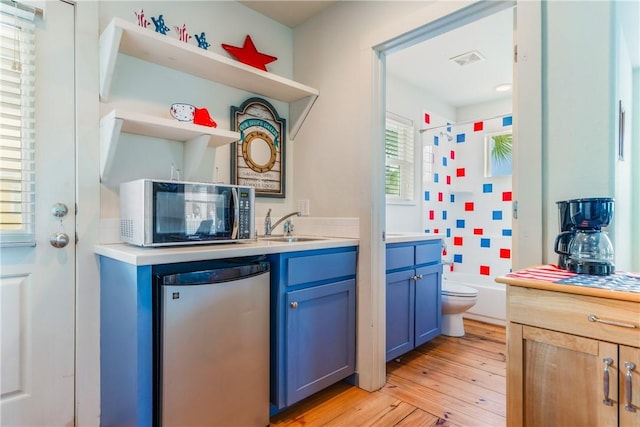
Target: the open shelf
(128, 38)
(196, 138)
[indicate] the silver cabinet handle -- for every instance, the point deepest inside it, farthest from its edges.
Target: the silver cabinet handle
(607, 363)
(294, 305)
(417, 277)
(628, 386)
(594, 318)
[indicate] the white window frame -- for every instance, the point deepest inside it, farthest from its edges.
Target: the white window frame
(17, 125)
(404, 161)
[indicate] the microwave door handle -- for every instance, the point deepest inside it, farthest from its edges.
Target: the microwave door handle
(236, 213)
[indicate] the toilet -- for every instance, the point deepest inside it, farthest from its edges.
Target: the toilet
(456, 299)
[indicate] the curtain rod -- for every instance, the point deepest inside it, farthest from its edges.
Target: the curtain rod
(463, 123)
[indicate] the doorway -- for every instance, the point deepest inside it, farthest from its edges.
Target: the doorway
(527, 248)
(38, 278)
(447, 87)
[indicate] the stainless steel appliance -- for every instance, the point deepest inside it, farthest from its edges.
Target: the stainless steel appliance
(582, 245)
(168, 213)
(211, 344)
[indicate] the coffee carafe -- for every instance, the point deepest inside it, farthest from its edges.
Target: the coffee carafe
(583, 247)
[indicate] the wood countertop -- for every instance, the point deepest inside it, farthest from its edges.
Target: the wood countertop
(527, 279)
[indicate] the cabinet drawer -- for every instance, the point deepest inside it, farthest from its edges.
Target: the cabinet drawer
(317, 267)
(428, 252)
(569, 313)
(399, 257)
(416, 253)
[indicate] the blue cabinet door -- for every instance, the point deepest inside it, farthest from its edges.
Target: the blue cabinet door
(413, 301)
(400, 313)
(320, 343)
(427, 304)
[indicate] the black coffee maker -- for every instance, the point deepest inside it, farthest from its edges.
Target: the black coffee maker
(566, 234)
(583, 247)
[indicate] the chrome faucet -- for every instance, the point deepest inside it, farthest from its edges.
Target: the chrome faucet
(267, 221)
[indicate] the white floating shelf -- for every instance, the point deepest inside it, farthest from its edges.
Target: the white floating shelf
(144, 43)
(195, 137)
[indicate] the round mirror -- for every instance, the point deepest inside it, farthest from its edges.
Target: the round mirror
(259, 152)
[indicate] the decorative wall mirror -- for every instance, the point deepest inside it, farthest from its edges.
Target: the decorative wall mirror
(258, 158)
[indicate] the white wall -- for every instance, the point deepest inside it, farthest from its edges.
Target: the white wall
(333, 52)
(578, 149)
(485, 110)
(625, 185)
(141, 86)
(333, 163)
(147, 87)
(88, 217)
(587, 68)
(635, 169)
(410, 101)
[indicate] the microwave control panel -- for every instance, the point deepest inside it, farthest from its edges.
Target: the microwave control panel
(245, 217)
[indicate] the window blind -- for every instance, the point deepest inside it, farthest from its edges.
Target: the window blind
(17, 125)
(399, 151)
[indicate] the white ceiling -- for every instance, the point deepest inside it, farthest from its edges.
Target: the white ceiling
(289, 13)
(427, 64)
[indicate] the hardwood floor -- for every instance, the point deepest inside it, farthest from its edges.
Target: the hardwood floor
(446, 382)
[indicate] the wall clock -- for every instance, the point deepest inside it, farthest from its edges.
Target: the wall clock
(258, 157)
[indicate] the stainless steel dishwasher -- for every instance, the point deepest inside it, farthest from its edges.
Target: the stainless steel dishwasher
(211, 357)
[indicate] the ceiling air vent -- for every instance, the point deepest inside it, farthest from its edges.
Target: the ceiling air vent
(467, 58)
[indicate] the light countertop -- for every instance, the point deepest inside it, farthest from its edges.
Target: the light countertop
(165, 255)
(403, 237)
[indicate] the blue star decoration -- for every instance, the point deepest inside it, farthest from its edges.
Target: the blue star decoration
(160, 26)
(248, 54)
(202, 41)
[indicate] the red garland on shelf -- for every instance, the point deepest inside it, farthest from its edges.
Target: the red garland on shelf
(248, 54)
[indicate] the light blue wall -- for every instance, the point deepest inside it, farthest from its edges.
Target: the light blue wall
(143, 87)
(585, 71)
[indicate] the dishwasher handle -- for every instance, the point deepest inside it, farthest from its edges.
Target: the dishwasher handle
(218, 275)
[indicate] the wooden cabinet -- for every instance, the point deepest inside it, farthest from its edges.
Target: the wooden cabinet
(120, 36)
(312, 322)
(413, 300)
(565, 369)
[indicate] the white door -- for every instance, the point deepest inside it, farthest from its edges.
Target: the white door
(37, 284)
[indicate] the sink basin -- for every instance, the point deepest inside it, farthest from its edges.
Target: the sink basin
(291, 239)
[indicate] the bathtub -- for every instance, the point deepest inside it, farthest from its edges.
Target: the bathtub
(492, 297)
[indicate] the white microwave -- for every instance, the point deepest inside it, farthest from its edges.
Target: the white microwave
(167, 213)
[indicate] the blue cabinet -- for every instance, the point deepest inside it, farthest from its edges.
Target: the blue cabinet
(413, 301)
(126, 344)
(313, 317)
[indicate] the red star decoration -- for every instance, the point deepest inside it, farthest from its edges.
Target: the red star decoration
(248, 54)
